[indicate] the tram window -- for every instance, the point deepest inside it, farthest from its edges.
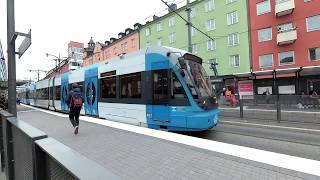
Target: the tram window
(108, 87)
(45, 93)
(130, 86)
(51, 92)
(160, 85)
(58, 92)
(177, 90)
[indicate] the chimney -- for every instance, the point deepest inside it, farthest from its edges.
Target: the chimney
(172, 7)
(155, 17)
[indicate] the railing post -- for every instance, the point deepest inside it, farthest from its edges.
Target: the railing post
(7, 156)
(278, 109)
(241, 108)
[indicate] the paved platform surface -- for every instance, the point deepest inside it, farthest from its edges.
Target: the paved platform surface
(135, 156)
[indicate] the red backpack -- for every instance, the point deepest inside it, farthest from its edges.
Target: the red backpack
(76, 100)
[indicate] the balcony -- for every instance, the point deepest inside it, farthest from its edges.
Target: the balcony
(284, 7)
(287, 37)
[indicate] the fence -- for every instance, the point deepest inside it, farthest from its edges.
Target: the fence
(29, 154)
(294, 108)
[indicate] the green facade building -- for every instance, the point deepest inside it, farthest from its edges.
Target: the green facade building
(226, 21)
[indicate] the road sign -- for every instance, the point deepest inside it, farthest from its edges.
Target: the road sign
(25, 44)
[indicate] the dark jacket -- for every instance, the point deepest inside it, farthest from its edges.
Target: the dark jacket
(70, 94)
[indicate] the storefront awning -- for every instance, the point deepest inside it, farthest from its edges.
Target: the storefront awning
(311, 70)
(303, 71)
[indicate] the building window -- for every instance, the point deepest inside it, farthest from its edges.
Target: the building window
(234, 60)
(266, 61)
(313, 23)
(148, 32)
(211, 25)
(265, 34)
(211, 45)
(130, 85)
(172, 38)
(209, 6)
(286, 58)
(314, 54)
(194, 49)
(108, 87)
(133, 43)
(263, 7)
(193, 12)
(285, 27)
(159, 26)
(193, 31)
(232, 18)
(124, 46)
(233, 39)
(172, 21)
(230, 1)
(159, 41)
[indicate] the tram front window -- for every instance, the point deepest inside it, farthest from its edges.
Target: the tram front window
(200, 79)
(199, 84)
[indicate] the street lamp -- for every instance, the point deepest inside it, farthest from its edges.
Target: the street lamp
(213, 66)
(59, 59)
(37, 71)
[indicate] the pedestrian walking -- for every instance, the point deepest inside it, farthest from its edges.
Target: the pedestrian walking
(74, 101)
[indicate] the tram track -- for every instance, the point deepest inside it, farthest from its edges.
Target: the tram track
(290, 142)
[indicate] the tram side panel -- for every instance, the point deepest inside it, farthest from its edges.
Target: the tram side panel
(122, 96)
(42, 93)
(57, 93)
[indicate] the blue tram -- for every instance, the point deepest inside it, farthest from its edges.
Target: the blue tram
(158, 87)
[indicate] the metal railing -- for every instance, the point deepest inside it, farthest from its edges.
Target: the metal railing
(29, 154)
(295, 108)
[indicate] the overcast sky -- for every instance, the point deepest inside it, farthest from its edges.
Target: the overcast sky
(55, 22)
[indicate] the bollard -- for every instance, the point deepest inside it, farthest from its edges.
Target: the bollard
(241, 108)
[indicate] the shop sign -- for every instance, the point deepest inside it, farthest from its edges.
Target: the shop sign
(245, 89)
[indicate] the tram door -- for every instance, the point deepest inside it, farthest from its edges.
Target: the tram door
(64, 92)
(51, 95)
(160, 107)
(91, 92)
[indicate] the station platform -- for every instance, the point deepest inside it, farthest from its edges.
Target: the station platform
(132, 152)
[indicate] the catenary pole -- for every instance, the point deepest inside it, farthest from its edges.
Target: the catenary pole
(189, 26)
(11, 58)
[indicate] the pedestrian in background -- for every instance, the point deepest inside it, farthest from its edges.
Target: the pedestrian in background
(75, 100)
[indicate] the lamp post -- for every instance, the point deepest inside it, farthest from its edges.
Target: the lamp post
(38, 72)
(213, 66)
(58, 59)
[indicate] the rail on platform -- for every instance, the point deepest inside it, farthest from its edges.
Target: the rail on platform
(293, 108)
(28, 153)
